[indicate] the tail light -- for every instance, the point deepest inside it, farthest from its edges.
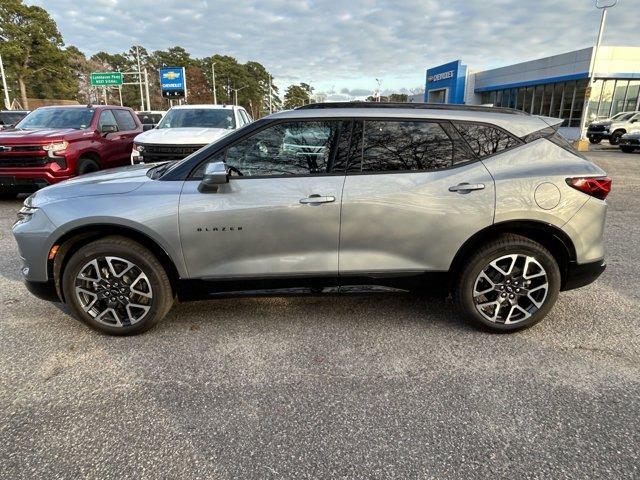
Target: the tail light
(598, 187)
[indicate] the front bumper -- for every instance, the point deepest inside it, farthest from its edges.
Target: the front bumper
(32, 178)
(600, 135)
(43, 290)
(579, 275)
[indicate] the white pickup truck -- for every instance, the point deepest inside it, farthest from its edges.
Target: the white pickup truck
(185, 129)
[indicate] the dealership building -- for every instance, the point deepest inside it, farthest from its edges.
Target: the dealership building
(553, 86)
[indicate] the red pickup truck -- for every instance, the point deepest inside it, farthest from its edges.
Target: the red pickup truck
(52, 144)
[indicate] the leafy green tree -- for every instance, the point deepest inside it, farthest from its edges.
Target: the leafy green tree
(297, 95)
(32, 52)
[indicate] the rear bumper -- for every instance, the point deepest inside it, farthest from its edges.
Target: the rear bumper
(579, 275)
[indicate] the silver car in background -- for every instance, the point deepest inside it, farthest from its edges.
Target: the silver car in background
(489, 204)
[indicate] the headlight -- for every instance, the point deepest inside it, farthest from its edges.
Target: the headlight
(138, 148)
(25, 214)
(55, 147)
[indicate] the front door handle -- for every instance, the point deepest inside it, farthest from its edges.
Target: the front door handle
(466, 187)
(315, 198)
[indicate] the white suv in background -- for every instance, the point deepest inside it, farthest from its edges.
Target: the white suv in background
(185, 129)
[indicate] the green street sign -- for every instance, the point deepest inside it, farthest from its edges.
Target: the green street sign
(106, 79)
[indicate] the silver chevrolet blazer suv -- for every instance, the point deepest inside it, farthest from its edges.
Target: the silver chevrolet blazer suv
(488, 205)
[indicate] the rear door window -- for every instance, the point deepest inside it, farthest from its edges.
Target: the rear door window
(486, 139)
(125, 120)
(405, 145)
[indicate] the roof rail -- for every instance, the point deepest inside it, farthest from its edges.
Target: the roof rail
(411, 105)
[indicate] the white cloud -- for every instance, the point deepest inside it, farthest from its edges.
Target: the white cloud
(336, 44)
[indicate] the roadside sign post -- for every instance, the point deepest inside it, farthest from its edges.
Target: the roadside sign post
(173, 83)
(106, 79)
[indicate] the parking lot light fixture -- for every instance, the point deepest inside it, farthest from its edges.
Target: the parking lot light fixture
(603, 5)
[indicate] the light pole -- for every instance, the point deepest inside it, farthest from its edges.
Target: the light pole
(213, 75)
(235, 94)
(270, 107)
(7, 101)
(140, 78)
(379, 82)
(604, 6)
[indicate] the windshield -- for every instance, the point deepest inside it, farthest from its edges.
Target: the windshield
(198, 117)
(622, 116)
(77, 118)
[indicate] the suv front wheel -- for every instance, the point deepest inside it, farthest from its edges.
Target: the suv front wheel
(509, 284)
(117, 286)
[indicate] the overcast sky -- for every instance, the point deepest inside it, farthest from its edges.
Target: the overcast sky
(346, 44)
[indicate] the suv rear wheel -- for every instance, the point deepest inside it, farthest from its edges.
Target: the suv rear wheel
(509, 284)
(117, 286)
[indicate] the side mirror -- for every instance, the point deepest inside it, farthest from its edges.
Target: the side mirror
(107, 129)
(215, 174)
(634, 120)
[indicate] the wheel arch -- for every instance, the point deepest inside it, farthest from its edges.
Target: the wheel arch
(80, 236)
(549, 236)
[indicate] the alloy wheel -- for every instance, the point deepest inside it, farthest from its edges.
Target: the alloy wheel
(510, 289)
(114, 291)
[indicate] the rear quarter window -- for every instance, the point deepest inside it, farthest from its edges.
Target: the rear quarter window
(486, 140)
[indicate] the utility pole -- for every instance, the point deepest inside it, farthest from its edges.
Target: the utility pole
(270, 107)
(213, 76)
(235, 94)
(592, 65)
(140, 78)
(120, 93)
(146, 87)
(7, 101)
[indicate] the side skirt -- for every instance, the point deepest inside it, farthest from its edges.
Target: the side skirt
(422, 283)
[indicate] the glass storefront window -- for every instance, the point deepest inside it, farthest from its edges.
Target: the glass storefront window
(520, 97)
(498, 101)
(569, 89)
(578, 103)
(538, 99)
(556, 104)
(632, 96)
(594, 100)
(619, 93)
(526, 103)
(546, 99)
(605, 98)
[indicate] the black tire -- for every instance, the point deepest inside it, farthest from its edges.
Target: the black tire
(506, 244)
(87, 165)
(614, 139)
(627, 149)
(595, 140)
(131, 251)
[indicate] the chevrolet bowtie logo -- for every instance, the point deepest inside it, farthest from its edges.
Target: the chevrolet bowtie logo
(171, 75)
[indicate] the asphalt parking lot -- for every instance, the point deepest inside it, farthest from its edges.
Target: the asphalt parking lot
(331, 387)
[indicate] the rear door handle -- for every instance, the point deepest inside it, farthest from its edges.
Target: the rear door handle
(466, 187)
(315, 198)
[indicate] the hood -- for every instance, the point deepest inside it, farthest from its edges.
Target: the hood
(40, 135)
(181, 136)
(108, 182)
(604, 122)
(632, 134)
